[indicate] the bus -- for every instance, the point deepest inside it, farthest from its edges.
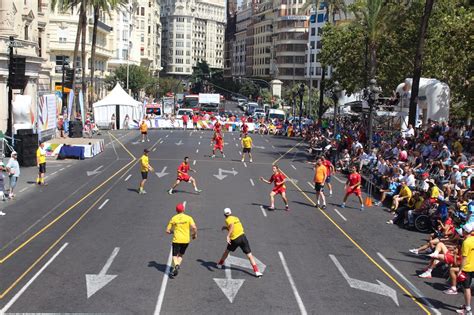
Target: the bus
(191, 101)
(212, 104)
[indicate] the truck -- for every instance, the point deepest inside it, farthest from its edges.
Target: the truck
(212, 104)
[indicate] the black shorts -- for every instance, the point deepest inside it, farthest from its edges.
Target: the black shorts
(195, 124)
(144, 132)
(247, 150)
(179, 249)
(144, 175)
(42, 168)
(241, 242)
(319, 187)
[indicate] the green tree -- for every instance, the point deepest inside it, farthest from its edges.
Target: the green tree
(139, 78)
(249, 89)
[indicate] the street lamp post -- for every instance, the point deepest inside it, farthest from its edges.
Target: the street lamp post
(335, 96)
(294, 103)
(301, 94)
(374, 91)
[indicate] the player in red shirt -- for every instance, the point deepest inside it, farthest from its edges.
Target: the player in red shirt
(185, 121)
(278, 179)
(195, 121)
(244, 129)
(218, 144)
(330, 169)
(352, 186)
(183, 176)
(217, 127)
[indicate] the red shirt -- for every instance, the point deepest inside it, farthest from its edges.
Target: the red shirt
(218, 140)
(183, 167)
(328, 165)
(195, 118)
(245, 128)
(277, 178)
(354, 179)
(217, 127)
(185, 118)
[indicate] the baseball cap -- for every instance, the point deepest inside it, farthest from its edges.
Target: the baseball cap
(179, 207)
(227, 211)
(456, 166)
(14, 153)
(146, 151)
(445, 146)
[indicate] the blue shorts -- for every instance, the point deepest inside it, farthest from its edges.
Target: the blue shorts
(328, 179)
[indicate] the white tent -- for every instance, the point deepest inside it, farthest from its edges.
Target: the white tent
(117, 102)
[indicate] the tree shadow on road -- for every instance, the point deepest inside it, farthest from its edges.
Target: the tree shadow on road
(159, 267)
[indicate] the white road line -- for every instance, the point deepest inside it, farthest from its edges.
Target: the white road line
(200, 137)
(199, 143)
(19, 293)
(273, 147)
(128, 177)
(61, 169)
(292, 283)
(410, 285)
(293, 166)
(197, 150)
(53, 173)
(236, 144)
(194, 162)
(167, 136)
(154, 149)
(245, 164)
(22, 190)
(240, 153)
(166, 276)
(251, 182)
(263, 211)
(103, 204)
(338, 179)
(161, 142)
(337, 211)
(310, 185)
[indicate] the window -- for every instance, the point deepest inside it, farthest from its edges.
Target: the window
(125, 53)
(149, 29)
(179, 53)
(179, 60)
(26, 31)
(40, 54)
(179, 69)
(61, 59)
(143, 11)
(320, 18)
(142, 38)
(179, 36)
(62, 35)
(313, 31)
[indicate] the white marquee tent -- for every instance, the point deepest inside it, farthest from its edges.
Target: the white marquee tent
(117, 102)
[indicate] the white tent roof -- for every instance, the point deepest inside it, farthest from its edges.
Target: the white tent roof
(117, 97)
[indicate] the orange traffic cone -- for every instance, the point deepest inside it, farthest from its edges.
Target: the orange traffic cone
(368, 201)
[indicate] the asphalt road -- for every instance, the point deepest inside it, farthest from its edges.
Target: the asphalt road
(316, 262)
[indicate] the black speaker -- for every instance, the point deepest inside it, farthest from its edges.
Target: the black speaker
(26, 146)
(75, 129)
(17, 79)
(22, 132)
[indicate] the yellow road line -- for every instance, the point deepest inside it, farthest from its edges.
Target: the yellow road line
(119, 142)
(134, 162)
(361, 249)
(291, 149)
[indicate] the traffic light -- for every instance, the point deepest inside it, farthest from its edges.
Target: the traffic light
(68, 77)
(17, 79)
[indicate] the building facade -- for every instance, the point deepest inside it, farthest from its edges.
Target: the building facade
(26, 21)
(193, 31)
(239, 50)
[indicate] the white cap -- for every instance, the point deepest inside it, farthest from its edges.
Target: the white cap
(445, 146)
(227, 211)
(456, 166)
(469, 171)
(14, 153)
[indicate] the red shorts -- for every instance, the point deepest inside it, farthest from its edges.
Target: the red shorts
(279, 190)
(219, 147)
(184, 177)
(449, 258)
(355, 191)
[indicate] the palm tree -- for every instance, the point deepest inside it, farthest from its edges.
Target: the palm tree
(99, 6)
(418, 61)
(332, 6)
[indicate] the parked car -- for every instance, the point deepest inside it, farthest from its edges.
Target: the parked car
(276, 114)
(184, 111)
(251, 106)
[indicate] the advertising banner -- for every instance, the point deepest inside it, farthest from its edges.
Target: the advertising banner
(47, 112)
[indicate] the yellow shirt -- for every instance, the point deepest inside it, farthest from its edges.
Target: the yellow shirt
(143, 127)
(145, 164)
(434, 192)
(247, 142)
(41, 155)
(320, 174)
(468, 253)
(238, 227)
(405, 192)
(181, 224)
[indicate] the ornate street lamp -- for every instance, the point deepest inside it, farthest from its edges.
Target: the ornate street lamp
(301, 94)
(335, 96)
(374, 91)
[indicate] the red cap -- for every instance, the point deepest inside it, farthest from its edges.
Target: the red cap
(179, 207)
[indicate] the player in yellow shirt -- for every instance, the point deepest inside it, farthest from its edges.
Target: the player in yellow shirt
(320, 176)
(181, 225)
(145, 167)
(236, 238)
(246, 147)
(41, 163)
(467, 267)
(144, 131)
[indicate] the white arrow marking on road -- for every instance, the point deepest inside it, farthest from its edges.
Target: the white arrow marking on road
(263, 211)
(257, 147)
(194, 162)
(2, 213)
(94, 172)
(221, 176)
(230, 287)
(293, 166)
(154, 149)
(136, 142)
(199, 143)
(167, 136)
(179, 143)
(236, 144)
(197, 150)
(251, 182)
(380, 288)
(128, 177)
(162, 173)
(96, 282)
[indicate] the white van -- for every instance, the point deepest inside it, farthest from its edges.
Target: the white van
(184, 111)
(276, 114)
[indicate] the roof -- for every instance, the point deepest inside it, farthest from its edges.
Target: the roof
(117, 96)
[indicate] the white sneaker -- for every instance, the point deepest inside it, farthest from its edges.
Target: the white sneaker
(213, 156)
(243, 160)
(413, 251)
(223, 156)
(143, 140)
(219, 266)
(251, 161)
(170, 191)
(433, 255)
(258, 274)
(425, 275)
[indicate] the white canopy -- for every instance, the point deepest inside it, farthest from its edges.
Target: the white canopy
(117, 103)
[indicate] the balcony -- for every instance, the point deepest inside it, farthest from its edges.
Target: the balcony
(101, 25)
